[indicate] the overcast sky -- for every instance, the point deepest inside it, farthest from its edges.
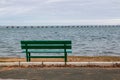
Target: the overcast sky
(59, 12)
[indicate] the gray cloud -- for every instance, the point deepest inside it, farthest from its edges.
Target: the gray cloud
(58, 10)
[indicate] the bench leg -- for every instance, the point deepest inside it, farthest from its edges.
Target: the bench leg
(29, 57)
(65, 56)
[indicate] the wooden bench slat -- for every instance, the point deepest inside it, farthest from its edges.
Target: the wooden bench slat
(47, 51)
(46, 56)
(46, 47)
(46, 42)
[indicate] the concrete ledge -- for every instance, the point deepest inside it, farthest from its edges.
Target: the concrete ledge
(29, 63)
(54, 63)
(9, 64)
(77, 64)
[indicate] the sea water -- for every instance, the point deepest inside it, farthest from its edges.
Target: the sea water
(86, 41)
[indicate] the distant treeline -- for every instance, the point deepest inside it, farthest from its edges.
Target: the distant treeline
(84, 26)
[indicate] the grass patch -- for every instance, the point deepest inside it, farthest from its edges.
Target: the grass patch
(70, 59)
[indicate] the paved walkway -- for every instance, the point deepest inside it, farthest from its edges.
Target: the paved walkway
(61, 74)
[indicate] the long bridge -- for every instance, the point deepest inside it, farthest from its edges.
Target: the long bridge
(60, 26)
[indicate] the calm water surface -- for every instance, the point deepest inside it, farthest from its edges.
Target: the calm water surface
(86, 41)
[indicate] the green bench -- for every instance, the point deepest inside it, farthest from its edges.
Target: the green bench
(47, 46)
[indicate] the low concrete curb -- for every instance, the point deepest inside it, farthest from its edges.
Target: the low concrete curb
(76, 64)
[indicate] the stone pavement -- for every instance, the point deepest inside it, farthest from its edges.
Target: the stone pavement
(61, 74)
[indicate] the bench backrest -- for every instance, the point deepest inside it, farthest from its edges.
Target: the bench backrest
(49, 44)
